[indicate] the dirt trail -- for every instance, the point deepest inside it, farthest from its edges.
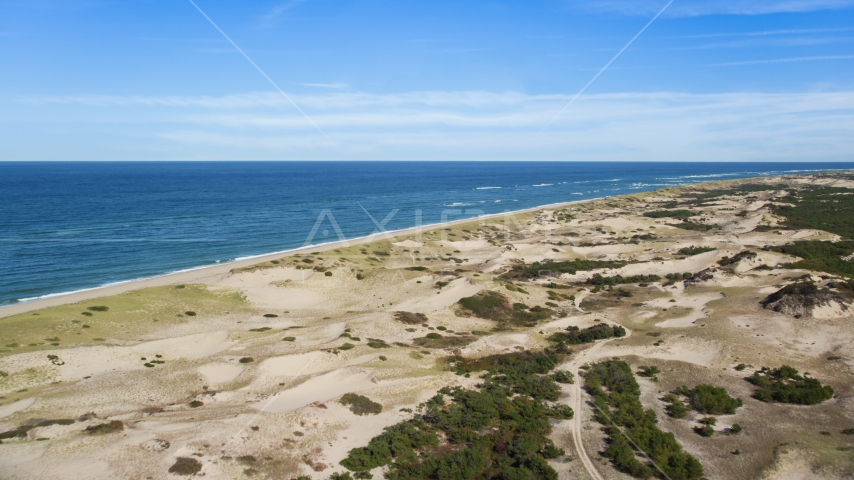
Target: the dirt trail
(577, 406)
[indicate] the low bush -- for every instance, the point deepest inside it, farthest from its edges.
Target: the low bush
(576, 336)
(98, 308)
(710, 400)
(435, 340)
(410, 318)
(550, 268)
(190, 314)
(105, 428)
(361, 405)
(185, 466)
(494, 306)
(196, 404)
(598, 280)
(784, 385)
(23, 430)
(692, 250)
(246, 360)
(498, 430)
(616, 401)
(681, 214)
(745, 255)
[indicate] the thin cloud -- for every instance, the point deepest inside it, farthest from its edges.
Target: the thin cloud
(325, 85)
(763, 33)
(693, 8)
(786, 60)
(280, 9)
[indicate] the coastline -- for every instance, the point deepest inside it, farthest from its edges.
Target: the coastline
(206, 273)
(203, 273)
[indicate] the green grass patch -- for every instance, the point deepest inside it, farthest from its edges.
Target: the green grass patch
(128, 316)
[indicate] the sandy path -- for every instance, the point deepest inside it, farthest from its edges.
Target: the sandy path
(577, 406)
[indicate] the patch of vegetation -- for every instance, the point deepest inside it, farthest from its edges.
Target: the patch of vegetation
(800, 298)
(599, 280)
(784, 385)
(710, 400)
(435, 340)
(186, 466)
(821, 208)
(105, 428)
(821, 256)
(23, 430)
(745, 255)
(550, 268)
(270, 315)
(699, 227)
(494, 306)
(347, 346)
(98, 308)
(680, 214)
(616, 397)
(361, 405)
(576, 336)
(417, 269)
(246, 360)
(410, 318)
(648, 371)
(499, 430)
(378, 343)
(675, 406)
(289, 339)
(195, 404)
(692, 250)
(262, 329)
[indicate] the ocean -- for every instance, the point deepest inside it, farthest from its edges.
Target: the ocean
(69, 226)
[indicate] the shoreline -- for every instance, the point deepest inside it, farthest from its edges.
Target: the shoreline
(202, 273)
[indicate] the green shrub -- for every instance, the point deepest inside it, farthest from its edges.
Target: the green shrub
(598, 280)
(347, 346)
(515, 445)
(616, 399)
(645, 371)
(361, 405)
(195, 404)
(745, 255)
(289, 339)
(710, 400)
(98, 308)
(692, 250)
(563, 376)
(681, 214)
(246, 360)
(576, 336)
(186, 466)
(105, 428)
(270, 315)
(410, 318)
(784, 385)
(704, 430)
(435, 340)
(550, 268)
(190, 314)
(328, 274)
(734, 429)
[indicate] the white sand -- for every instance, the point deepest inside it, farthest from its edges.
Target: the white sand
(16, 407)
(322, 389)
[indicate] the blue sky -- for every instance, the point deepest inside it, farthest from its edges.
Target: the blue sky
(377, 79)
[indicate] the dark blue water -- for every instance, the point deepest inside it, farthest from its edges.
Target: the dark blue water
(68, 226)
